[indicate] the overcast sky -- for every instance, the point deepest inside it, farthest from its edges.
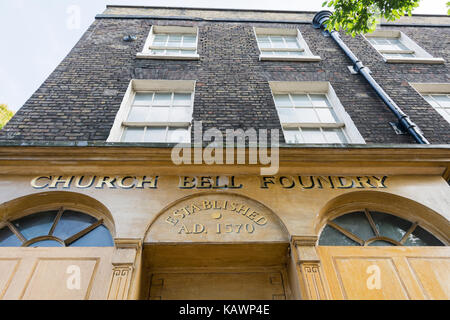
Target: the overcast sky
(37, 35)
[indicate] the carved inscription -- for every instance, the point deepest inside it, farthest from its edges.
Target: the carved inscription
(97, 182)
(216, 210)
(209, 182)
(324, 182)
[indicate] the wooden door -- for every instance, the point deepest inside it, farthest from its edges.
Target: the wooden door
(237, 285)
(50, 273)
(387, 273)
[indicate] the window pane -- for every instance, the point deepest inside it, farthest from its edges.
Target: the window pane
(301, 100)
(443, 100)
(35, 225)
(182, 99)
(138, 114)
(292, 42)
(155, 134)
(334, 136)
(390, 226)
(287, 115)
(99, 237)
(319, 100)
(306, 115)
(162, 99)
(174, 40)
(181, 114)
(8, 239)
(312, 135)
(190, 41)
(143, 99)
(277, 42)
(356, 223)
(441, 103)
(264, 42)
(159, 114)
(133, 134)
(71, 223)
(292, 136)
(382, 44)
(421, 237)
(332, 237)
(160, 40)
(397, 44)
(282, 100)
(178, 135)
(326, 115)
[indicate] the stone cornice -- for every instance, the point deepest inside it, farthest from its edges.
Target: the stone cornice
(116, 158)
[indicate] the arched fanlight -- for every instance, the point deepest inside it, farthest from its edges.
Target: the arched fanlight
(56, 228)
(371, 228)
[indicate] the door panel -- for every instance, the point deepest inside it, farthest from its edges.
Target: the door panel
(217, 286)
(55, 273)
(353, 278)
(391, 273)
(433, 275)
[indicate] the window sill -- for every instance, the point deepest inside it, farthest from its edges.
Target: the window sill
(284, 58)
(167, 57)
(415, 60)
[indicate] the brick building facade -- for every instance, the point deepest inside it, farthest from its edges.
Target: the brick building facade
(81, 98)
(87, 165)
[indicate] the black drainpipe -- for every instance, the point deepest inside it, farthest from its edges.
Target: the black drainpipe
(319, 22)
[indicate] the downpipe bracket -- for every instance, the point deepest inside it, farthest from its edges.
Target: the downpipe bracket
(398, 128)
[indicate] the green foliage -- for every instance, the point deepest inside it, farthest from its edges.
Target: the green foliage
(448, 6)
(362, 16)
(5, 115)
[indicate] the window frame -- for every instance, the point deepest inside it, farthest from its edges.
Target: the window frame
(303, 46)
(150, 86)
(378, 234)
(426, 89)
(344, 121)
(26, 241)
(182, 30)
(422, 56)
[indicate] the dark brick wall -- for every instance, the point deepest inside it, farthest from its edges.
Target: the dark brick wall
(80, 99)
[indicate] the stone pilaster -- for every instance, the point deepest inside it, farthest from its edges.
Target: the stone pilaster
(312, 283)
(124, 260)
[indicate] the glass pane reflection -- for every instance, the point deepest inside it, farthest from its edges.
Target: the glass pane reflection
(36, 228)
(391, 230)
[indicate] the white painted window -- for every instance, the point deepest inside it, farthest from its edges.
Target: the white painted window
(171, 42)
(310, 112)
(391, 47)
(155, 111)
(440, 102)
(437, 95)
(396, 47)
(283, 44)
